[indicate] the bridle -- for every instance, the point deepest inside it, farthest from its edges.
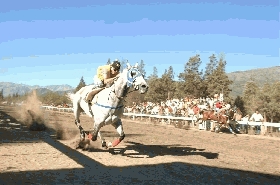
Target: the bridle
(130, 80)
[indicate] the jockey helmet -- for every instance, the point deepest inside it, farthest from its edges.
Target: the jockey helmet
(116, 64)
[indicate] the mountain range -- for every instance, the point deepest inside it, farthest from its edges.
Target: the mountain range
(10, 88)
(260, 76)
(239, 78)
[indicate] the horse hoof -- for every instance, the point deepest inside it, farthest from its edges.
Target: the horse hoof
(109, 144)
(91, 137)
(104, 145)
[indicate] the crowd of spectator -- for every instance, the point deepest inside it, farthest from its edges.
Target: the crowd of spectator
(188, 106)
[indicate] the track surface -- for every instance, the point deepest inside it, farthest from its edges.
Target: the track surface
(150, 154)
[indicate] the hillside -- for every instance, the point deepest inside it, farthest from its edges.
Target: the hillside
(260, 76)
(13, 88)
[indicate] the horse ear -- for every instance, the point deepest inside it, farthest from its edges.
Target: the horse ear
(136, 65)
(128, 65)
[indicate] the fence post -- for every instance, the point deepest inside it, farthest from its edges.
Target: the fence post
(263, 130)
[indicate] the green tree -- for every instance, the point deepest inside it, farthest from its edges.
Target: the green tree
(239, 103)
(54, 98)
(157, 91)
(109, 61)
(210, 66)
(1, 94)
(269, 101)
(251, 92)
(80, 85)
(141, 68)
(167, 83)
(218, 81)
(209, 70)
(191, 77)
(123, 64)
(155, 72)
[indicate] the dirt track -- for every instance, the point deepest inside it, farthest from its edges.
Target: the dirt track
(150, 154)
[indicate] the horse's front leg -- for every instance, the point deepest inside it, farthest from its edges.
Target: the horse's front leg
(103, 142)
(95, 132)
(230, 127)
(119, 128)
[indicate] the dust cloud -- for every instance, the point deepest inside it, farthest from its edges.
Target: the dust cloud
(31, 115)
(37, 119)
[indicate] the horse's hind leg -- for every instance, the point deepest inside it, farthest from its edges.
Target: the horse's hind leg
(77, 112)
(229, 126)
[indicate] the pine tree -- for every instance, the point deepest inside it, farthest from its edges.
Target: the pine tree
(167, 83)
(141, 68)
(160, 88)
(152, 80)
(192, 77)
(210, 66)
(218, 81)
(2, 95)
(155, 72)
(251, 92)
(239, 103)
(80, 85)
(269, 101)
(109, 61)
(123, 64)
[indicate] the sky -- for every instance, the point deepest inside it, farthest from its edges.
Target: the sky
(57, 42)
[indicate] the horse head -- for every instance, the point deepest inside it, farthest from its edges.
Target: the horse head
(135, 79)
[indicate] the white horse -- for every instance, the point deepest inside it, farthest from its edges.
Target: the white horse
(107, 105)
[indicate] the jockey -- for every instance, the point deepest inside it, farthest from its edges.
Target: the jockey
(106, 74)
(218, 106)
(195, 109)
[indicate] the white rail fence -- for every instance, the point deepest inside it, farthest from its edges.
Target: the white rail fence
(192, 120)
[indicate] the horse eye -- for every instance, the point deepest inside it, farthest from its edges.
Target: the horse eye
(133, 73)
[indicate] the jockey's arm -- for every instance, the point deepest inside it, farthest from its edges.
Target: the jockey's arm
(109, 80)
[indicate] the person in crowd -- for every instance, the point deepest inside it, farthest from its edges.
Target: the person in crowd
(257, 117)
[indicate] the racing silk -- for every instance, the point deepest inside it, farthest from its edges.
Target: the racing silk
(196, 109)
(104, 71)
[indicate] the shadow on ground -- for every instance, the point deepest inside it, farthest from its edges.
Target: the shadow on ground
(94, 172)
(160, 150)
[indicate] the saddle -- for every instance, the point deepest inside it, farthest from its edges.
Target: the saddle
(89, 95)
